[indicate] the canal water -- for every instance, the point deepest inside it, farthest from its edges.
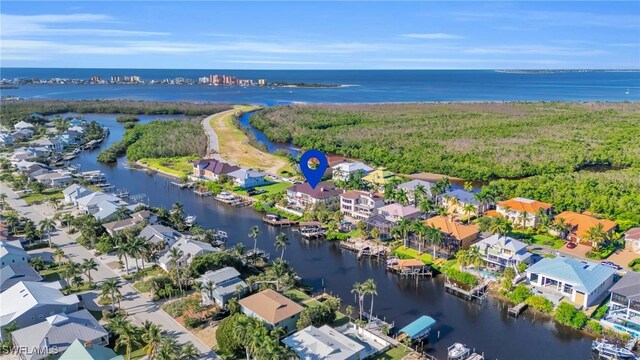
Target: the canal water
(323, 265)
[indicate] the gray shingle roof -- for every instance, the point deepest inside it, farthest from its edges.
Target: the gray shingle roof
(14, 273)
(628, 286)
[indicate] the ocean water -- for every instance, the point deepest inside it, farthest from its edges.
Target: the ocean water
(370, 86)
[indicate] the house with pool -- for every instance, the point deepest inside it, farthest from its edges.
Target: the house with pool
(624, 305)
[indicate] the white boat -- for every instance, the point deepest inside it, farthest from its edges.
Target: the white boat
(607, 350)
(190, 220)
(627, 92)
(226, 196)
(457, 351)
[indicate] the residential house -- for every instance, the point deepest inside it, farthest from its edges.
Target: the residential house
(410, 188)
(457, 235)
(632, 240)
(624, 305)
(27, 303)
(396, 212)
(57, 333)
(12, 252)
(584, 283)
(76, 128)
(247, 179)
(89, 351)
(378, 178)
(6, 139)
(136, 218)
(343, 171)
(301, 196)
(580, 224)
(35, 170)
(108, 210)
(54, 179)
(14, 273)
(456, 200)
(51, 144)
(220, 286)
(324, 343)
(70, 137)
(273, 309)
(503, 251)
(23, 125)
(28, 167)
(76, 122)
(212, 169)
(189, 249)
(92, 203)
(75, 192)
(160, 234)
(359, 205)
(524, 212)
(22, 135)
(22, 154)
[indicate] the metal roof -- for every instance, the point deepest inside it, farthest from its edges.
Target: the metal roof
(419, 326)
(583, 275)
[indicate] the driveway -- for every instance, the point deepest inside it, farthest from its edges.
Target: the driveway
(136, 305)
(623, 257)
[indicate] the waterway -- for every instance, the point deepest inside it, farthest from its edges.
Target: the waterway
(323, 265)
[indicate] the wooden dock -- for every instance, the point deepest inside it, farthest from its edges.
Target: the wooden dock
(409, 267)
(182, 185)
(277, 221)
(202, 193)
(517, 309)
(478, 292)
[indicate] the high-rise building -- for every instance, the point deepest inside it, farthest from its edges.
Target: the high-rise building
(262, 82)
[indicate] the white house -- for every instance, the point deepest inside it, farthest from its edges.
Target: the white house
(301, 196)
(246, 178)
(343, 171)
(503, 251)
(54, 179)
(221, 285)
(75, 192)
(11, 252)
(324, 343)
(6, 139)
(523, 212)
(582, 282)
(89, 204)
(624, 305)
(410, 188)
(273, 309)
(51, 144)
(189, 249)
(23, 125)
(157, 234)
(359, 205)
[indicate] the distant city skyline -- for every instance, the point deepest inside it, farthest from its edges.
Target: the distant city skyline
(321, 35)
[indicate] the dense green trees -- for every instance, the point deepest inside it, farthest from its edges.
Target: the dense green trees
(471, 141)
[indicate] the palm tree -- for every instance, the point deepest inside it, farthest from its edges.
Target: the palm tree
(58, 255)
(152, 335)
(349, 311)
(87, 266)
(189, 352)
(523, 216)
(420, 229)
(37, 263)
(468, 209)
(123, 250)
(468, 185)
(426, 205)
(54, 203)
(111, 288)
(436, 237)
(3, 198)
(136, 249)
(561, 227)
(66, 219)
(474, 257)
(128, 336)
(243, 330)
(401, 196)
(169, 347)
(47, 226)
(175, 255)
(281, 242)
(359, 289)
(419, 193)
(596, 235)
(70, 271)
(371, 289)
(500, 226)
(403, 228)
(208, 288)
(254, 234)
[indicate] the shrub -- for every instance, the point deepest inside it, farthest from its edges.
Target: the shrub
(227, 342)
(594, 326)
(567, 314)
(600, 312)
(540, 303)
(192, 323)
(579, 320)
(519, 294)
(461, 277)
(635, 264)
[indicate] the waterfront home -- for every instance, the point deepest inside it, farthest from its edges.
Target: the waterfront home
(89, 351)
(312, 343)
(584, 283)
(22, 135)
(74, 192)
(273, 309)
(212, 169)
(51, 144)
(28, 302)
(396, 212)
(6, 139)
(57, 333)
(523, 212)
(136, 218)
(580, 226)
(108, 210)
(188, 249)
(22, 154)
(503, 251)
(91, 203)
(27, 167)
(301, 196)
(410, 188)
(14, 273)
(220, 286)
(624, 305)
(457, 235)
(76, 122)
(358, 205)
(344, 171)
(632, 240)
(12, 252)
(455, 202)
(247, 179)
(378, 178)
(54, 179)
(23, 125)
(160, 234)
(35, 170)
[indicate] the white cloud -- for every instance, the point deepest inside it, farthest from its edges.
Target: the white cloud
(433, 36)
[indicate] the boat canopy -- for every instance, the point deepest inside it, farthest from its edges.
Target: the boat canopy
(419, 328)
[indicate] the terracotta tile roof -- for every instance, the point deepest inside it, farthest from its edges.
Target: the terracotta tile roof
(271, 306)
(492, 213)
(527, 205)
(633, 234)
(456, 229)
(581, 223)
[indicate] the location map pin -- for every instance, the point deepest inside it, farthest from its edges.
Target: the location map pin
(313, 176)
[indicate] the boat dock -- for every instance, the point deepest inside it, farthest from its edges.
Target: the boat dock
(516, 310)
(182, 185)
(417, 330)
(202, 192)
(312, 230)
(364, 248)
(409, 267)
(277, 220)
(231, 199)
(459, 351)
(478, 292)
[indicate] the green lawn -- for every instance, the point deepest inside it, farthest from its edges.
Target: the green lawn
(408, 253)
(394, 353)
(296, 295)
(142, 286)
(273, 188)
(538, 239)
(137, 353)
(178, 166)
(47, 194)
(341, 319)
(52, 274)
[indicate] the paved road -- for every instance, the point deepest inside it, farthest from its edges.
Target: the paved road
(136, 305)
(213, 147)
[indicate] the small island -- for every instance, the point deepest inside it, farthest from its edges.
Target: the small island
(303, 85)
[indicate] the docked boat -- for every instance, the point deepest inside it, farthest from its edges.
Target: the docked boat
(225, 196)
(458, 351)
(607, 350)
(190, 220)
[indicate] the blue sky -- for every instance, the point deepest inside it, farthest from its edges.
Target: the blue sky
(321, 35)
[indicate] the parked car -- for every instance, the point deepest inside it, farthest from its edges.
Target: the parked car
(611, 265)
(571, 245)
